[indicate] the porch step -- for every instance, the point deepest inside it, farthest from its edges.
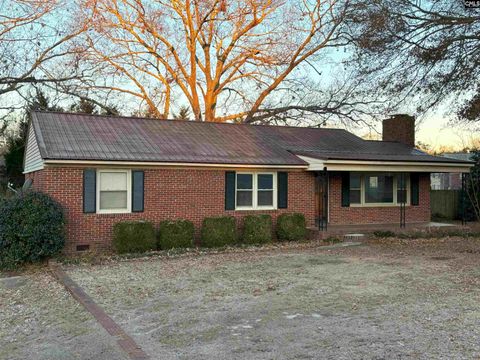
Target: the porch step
(353, 237)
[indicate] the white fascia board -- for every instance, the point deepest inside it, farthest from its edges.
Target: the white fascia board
(390, 166)
(168, 164)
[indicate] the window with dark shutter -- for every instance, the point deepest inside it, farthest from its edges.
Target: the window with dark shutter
(89, 190)
(137, 191)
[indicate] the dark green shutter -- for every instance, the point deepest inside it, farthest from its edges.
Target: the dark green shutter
(282, 193)
(414, 189)
(230, 190)
(345, 189)
(137, 191)
(89, 190)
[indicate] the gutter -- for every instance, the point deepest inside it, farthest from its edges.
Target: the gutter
(169, 164)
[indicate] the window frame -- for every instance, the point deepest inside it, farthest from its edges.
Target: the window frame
(126, 210)
(355, 188)
(395, 202)
(255, 190)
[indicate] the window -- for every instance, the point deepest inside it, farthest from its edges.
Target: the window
(371, 189)
(255, 191)
(265, 190)
(355, 188)
(379, 189)
(113, 191)
(401, 189)
(244, 190)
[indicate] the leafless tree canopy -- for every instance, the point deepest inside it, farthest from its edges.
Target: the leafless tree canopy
(226, 59)
(34, 45)
(425, 53)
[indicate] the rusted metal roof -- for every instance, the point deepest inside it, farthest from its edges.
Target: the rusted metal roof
(66, 136)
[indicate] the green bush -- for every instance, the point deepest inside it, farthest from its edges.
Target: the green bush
(133, 237)
(291, 227)
(31, 229)
(257, 229)
(175, 234)
(218, 232)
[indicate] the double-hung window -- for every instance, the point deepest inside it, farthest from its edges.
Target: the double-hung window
(113, 191)
(255, 191)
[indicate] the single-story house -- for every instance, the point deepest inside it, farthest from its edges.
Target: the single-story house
(105, 169)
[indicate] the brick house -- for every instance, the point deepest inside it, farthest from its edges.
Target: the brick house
(105, 169)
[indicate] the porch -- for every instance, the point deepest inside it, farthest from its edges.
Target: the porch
(363, 230)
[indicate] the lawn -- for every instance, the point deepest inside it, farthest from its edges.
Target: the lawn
(389, 299)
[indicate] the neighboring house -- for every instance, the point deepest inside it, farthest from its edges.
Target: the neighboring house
(450, 181)
(109, 169)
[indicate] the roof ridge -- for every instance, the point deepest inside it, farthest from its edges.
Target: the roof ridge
(186, 121)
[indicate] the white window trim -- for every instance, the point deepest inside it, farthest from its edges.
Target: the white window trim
(129, 192)
(255, 205)
(395, 188)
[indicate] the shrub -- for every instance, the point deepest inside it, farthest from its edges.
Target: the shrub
(257, 229)
(383, 233)
(31, 229)
(133, 237)
(218, 231)
(175, 234)
(291, 227)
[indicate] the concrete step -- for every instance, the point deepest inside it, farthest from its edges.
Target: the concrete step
(353, 237)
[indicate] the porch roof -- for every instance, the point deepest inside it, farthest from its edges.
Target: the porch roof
(399, 165)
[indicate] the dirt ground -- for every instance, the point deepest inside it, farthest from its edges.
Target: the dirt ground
(391, 299)
(40, 320)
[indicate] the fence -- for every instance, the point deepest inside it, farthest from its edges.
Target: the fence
(445, 204)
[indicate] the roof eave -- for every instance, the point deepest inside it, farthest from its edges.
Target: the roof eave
(56, 162)
(384, 165)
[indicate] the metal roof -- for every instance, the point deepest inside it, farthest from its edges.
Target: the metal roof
(67, 136)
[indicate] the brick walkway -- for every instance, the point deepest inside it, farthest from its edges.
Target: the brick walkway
(125, 342)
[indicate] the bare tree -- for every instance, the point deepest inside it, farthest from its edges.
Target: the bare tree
(34, 45)
(228, 59)
(419, 54)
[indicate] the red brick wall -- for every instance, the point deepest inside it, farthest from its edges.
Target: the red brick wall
(377, 215)
(169, 194)
(195, 194)
(399, 128)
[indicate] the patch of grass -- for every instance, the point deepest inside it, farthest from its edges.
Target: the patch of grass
(438, 233)
(383, 234)
(427, 234)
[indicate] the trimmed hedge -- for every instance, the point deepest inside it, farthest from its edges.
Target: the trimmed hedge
(175, 234)
(31, 229)
(257, 229)
(291, 227)
(218, 232)
(133, 237)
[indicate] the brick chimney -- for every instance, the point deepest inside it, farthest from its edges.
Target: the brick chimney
(399, 128)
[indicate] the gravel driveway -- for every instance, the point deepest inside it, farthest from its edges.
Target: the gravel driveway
(393, 299)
